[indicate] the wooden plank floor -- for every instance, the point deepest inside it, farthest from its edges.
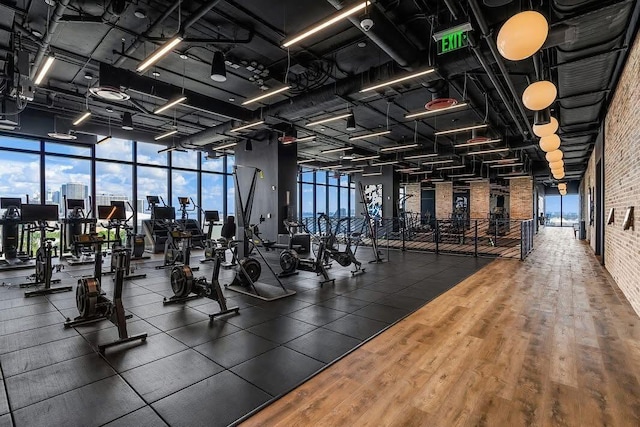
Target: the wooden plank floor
(547, 341)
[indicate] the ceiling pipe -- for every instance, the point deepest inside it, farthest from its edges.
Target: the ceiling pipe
(386, 35)
(486, 34)
(496, 83)
(46, 41)
(156, 25)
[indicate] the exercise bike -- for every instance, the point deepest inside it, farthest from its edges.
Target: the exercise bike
(348, 256)
(92, 303)
(186, 287)
(177, 248)
(290, 261)
(40, 214)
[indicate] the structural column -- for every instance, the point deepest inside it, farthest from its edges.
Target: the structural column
(444, 200)
(521, 198)
(480, 195)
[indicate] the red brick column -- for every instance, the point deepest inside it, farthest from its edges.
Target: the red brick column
(521, 198)
(444, 199)
(480, 199)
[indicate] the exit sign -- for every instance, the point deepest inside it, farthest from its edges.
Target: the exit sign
(453, 41)
(452, 38)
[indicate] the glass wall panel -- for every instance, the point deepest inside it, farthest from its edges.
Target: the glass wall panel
(148, 154)
(22, 144)
(344, 180)
(188, 160)
(114, 183)
(570, 210)
(70, 149)
(553, 210)
(20, 176)
(344, 202)
(115, 149)
(354, 201)
(321, 177)
(213, 193)
(306, 175)
(183, 184)
(213, 164)
(151, 182)
(333, 201)
(307, 203)
(66, 176)
(231, 196)
(231, 161)
(321, 199)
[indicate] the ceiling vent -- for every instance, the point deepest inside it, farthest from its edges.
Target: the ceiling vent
(289, 135)
(109, 93)
(62, 136)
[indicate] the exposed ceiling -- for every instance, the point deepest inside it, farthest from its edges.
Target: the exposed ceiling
(99, 44)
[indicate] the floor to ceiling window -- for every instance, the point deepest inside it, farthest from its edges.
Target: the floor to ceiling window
(562, 211)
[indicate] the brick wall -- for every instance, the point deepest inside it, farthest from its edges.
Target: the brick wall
(622, 180)
(444, 199)
(480, 195)
(413, 202)
(589, 182)
(521, 198)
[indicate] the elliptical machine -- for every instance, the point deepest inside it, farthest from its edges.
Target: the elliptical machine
(76, 223)
(40, 214)
(13, 235)
(186, 288)
(92, 303)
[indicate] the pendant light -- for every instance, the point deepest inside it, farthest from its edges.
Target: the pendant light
(542, 117)
(522, 35)
(539, 95)
(248, 146)
(550, 143)
(127, 121)
(542, 130)
(554, 156)
(557, 164)
(351, 123)
(218, 68)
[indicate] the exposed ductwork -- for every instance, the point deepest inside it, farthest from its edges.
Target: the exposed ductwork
(46, 41)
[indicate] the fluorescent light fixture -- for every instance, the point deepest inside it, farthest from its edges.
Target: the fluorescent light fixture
(476, 178)
(170, 104)
(437, 162)
(225, 146)
(105, 139)
(441, 168)
(514, 176)
(462, 175)
(389, 162)
(408, 169)
(155, 56)
(495, 150)
(44, 70)
(164, 135)
(266, 95)
(370, 135)
(421, 156)
(464, 129)
(301, 162)
(306, 138)
(471, 144)
(375, 156)
(506, 165)
(324, 24)
(399, 147)
(353, 170)
(434, 112)
(250, 125)
(419, 172)
(172, 148)
(398, 80)
(514, 159)
(84, 116)
(330, 119)
(436, 179)
(372, 174)
(335, 150)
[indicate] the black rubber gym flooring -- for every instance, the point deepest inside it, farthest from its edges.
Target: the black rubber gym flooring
(191, 372)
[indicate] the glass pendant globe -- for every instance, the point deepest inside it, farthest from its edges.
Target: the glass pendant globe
(546, 130)
(556, 165)
(539, 95)
(554, 156)
(550, 143)
(522, 35)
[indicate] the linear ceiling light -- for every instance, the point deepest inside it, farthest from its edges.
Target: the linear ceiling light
(421, 156)
(358, 159)
(164, 135)
(170, 104)
(306, 138)
(506, 165)
(450, 131)
(408, 169)
(335, 150)
(398, 80)
(495, 150)
(82, 117)
(514, 159)
(250, 125)
(369, 135)
(266, 95)
(372, 174)
(389, 162)
(105, 139)
(419, 172)
(437, 162)
(436, 179)
(353, 170)
(44, 70)
(399, 147)
(326, 23)
(441, 168)
(300, 162)
(225, 146)
(481, 142)
(434, 112)
(155, 56)
(330, 119)
(514, 176)
(462, 175)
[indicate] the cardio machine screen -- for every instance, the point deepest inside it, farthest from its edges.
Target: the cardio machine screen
(34, 213)
(164, 212)
(118, 203)
(153, 200)
(7, 202)
(213, 216)
(111, 212)
(75, 203)
(183, 201)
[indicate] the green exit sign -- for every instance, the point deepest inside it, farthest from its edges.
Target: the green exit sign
(453, 41)
(452, 38)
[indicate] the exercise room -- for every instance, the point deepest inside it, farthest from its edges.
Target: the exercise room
(322, 212)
